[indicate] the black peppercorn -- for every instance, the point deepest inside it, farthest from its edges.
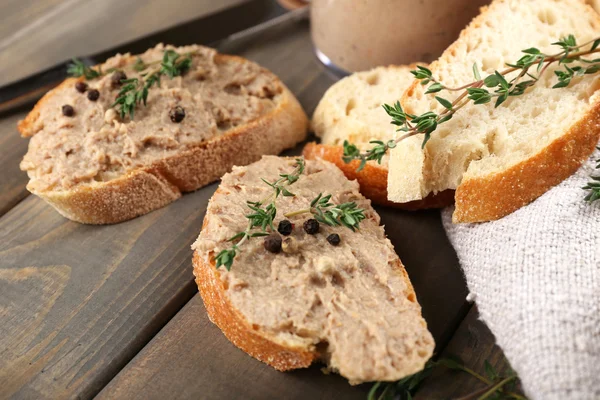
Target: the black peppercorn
(93, 94)
(333, 239)
(273, 243)
(117, 78)
(177, 114)
(285, 227)
(68, 111)
(311, 226)
(81, 87)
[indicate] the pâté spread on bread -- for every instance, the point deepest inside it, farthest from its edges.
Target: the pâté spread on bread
(60, 156)
(183, 101)
(338, 295)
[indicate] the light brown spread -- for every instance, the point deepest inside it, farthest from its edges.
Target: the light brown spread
(96, 145)
(364, 34)
(351, 302)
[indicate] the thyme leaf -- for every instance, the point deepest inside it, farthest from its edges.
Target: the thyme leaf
(77, 69)
(495, 384)
(261, 217)
(135, 90)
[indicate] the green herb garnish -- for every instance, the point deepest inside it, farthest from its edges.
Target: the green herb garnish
(261, 218)
(494, 87)
(496, 386)
(78, 69)
(135, 90)
(347, 214)
(594, 185)
(139, 65)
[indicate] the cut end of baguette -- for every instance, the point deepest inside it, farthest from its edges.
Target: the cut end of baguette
(350, 306)
(500, 159)
(373, 179)
(352, 109)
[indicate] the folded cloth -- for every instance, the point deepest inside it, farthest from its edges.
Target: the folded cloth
(535, 276)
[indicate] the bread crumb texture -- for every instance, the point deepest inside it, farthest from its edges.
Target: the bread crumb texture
(499, 159)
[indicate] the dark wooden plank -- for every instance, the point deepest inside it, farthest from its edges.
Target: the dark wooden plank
(66, 28)
(12, 179)
(80, 301)
(473, 343)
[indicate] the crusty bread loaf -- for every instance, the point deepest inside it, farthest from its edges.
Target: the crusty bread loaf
(352, 110)
(351, 306)
(373, 179)
(500, 159)
(96, 167)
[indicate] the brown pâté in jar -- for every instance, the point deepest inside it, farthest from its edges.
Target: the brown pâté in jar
(356, 35)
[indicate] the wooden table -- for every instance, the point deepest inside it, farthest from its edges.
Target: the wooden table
(112, 311)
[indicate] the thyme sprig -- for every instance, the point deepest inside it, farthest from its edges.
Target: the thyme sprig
(594, 185)
(481, 91)
(496, 385)
(346, 214)
(260, 220)
(260, 217)
(135, 90)
(77, 69)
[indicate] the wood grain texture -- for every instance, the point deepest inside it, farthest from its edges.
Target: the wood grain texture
(17, 14)
(473, 343)
(80, 301)
(79, 27)
(12, 179)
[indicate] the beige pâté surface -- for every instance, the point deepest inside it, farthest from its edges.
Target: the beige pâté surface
(114, 309)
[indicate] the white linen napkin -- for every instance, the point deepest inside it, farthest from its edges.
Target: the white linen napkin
(535, 276)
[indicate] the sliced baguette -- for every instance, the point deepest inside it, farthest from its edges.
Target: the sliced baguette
(373, 179)
(212, 137)
(500, 159)
(351, 306)
(351, 110)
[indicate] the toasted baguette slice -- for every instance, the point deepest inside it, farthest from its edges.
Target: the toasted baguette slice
(500, 159)
(98, 167)
(373, 179)
(351, 110)
(351, 306)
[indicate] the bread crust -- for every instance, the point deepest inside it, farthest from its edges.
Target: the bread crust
(373, 179)
(495, 196)
(237, 329)
(154, 186)
(492, 197)
(249, 338)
